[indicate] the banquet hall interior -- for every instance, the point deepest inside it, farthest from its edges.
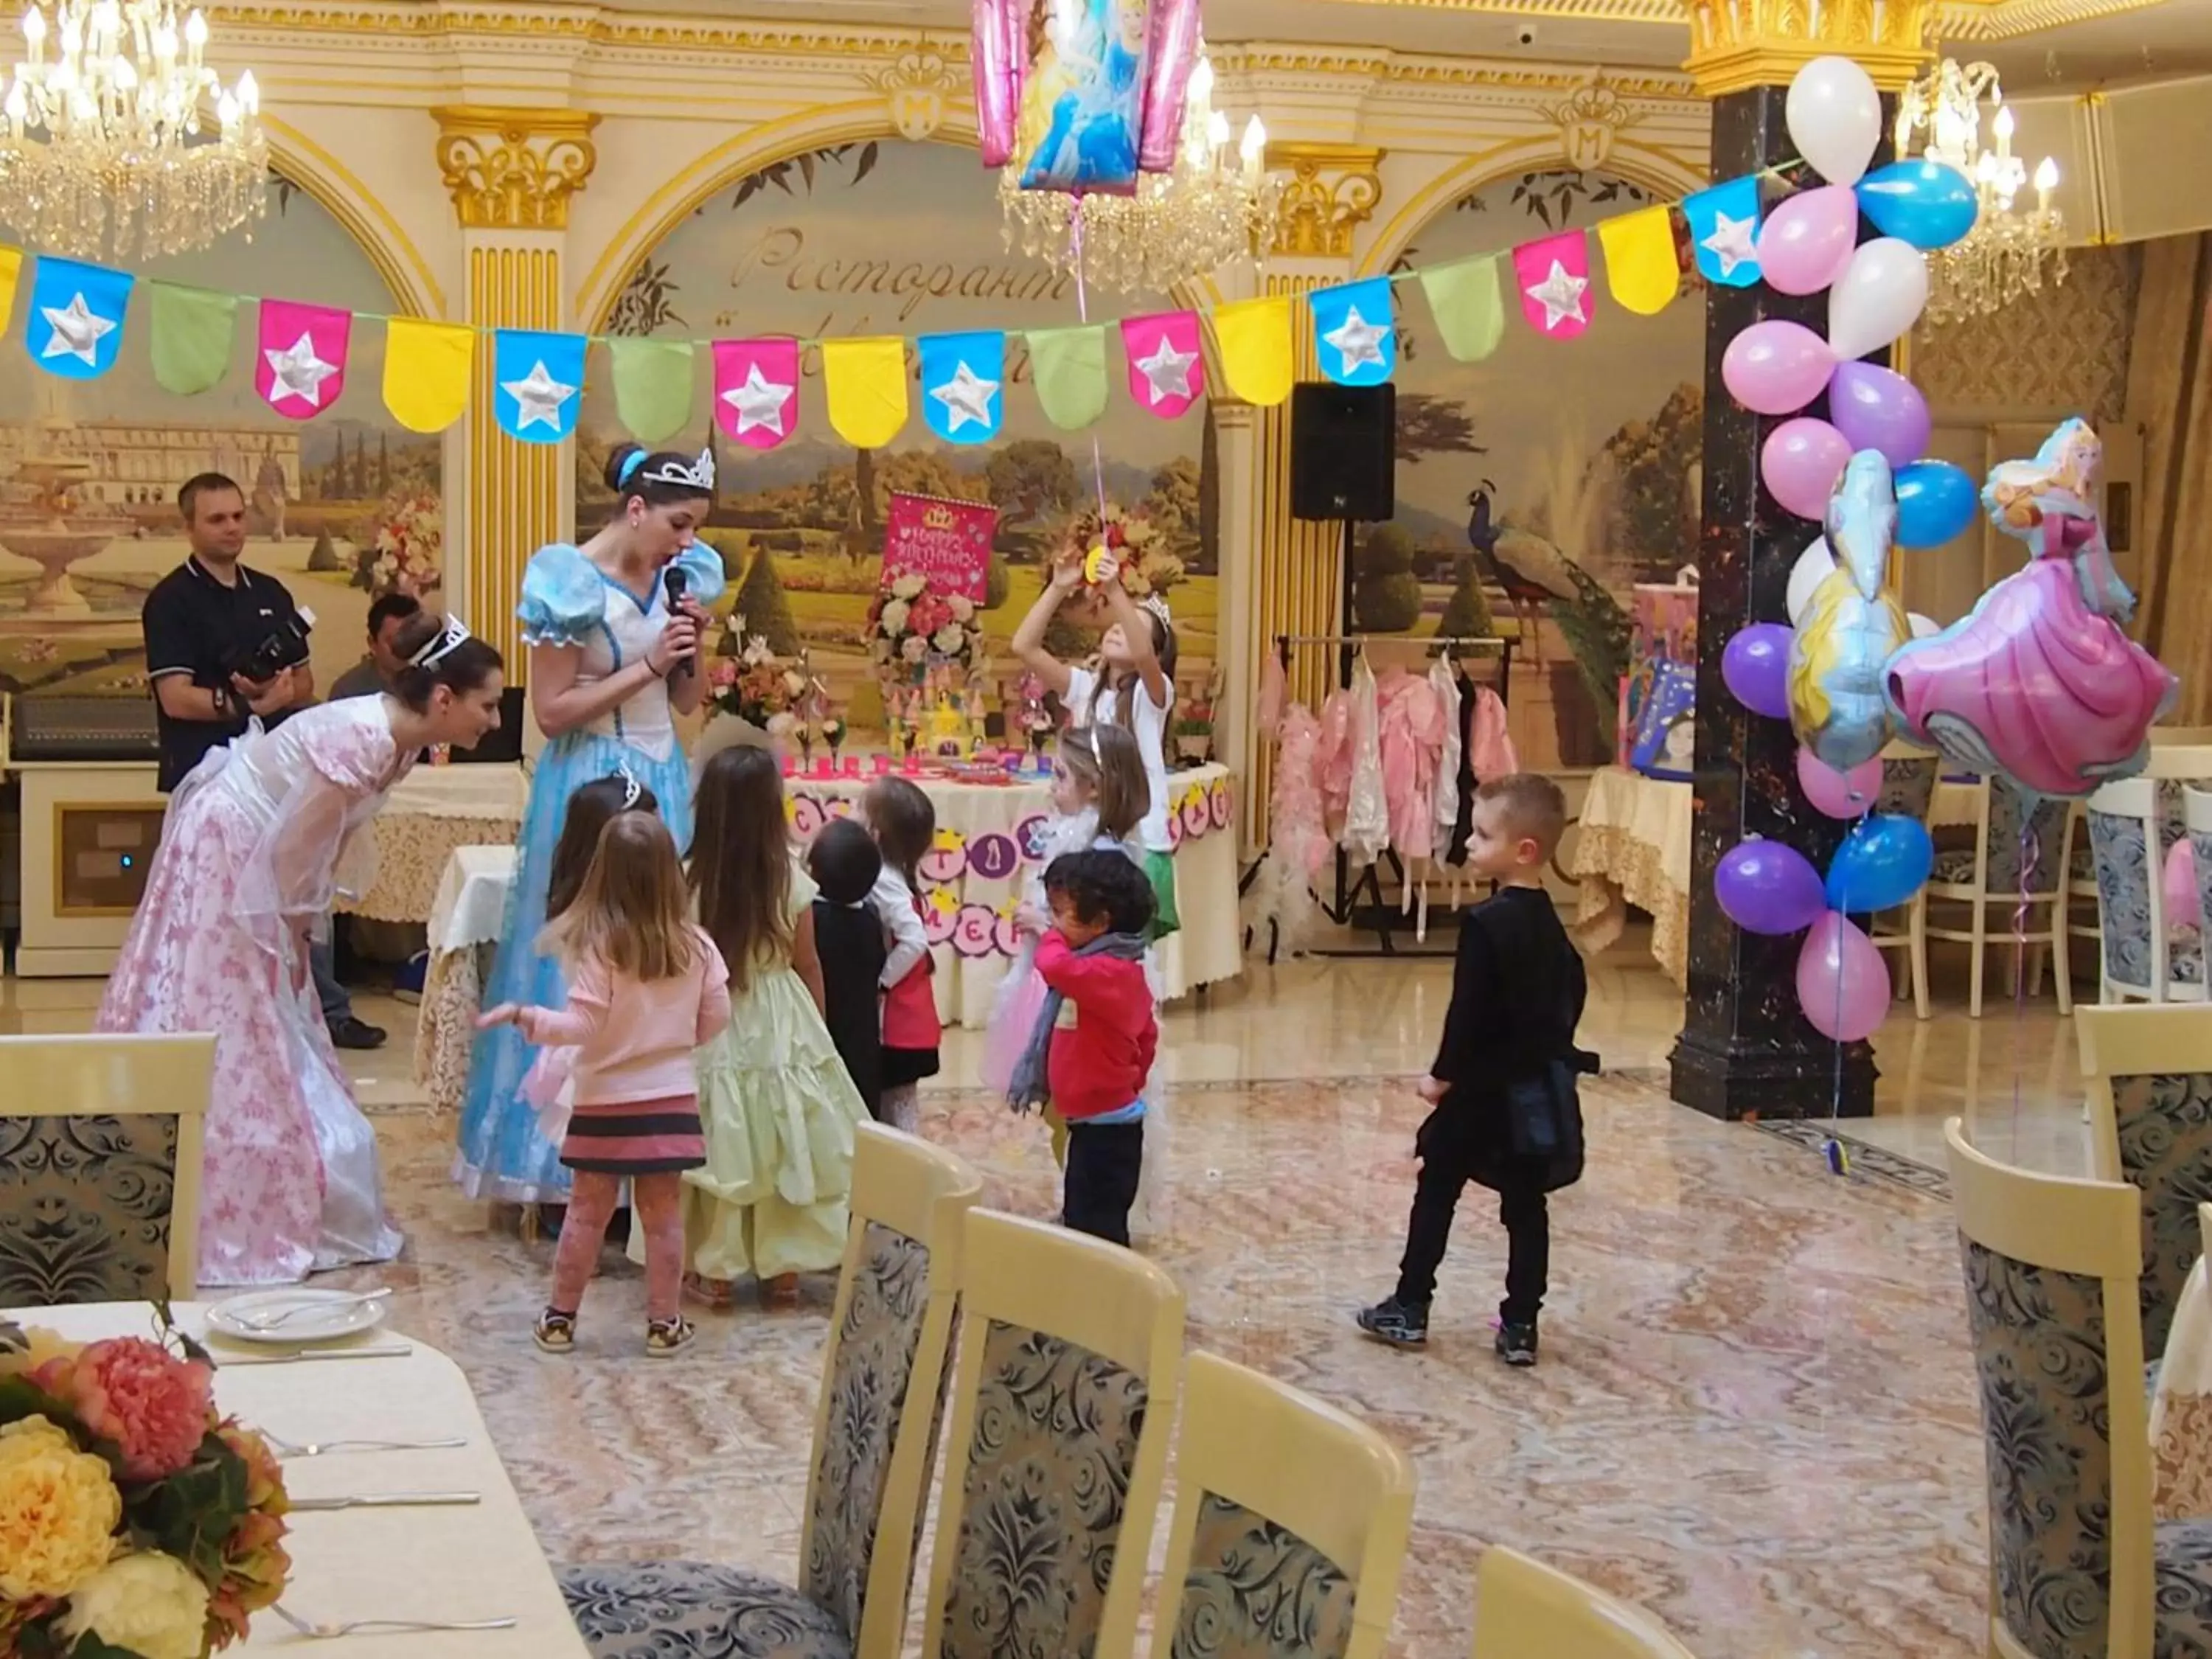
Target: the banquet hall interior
(1788, 428)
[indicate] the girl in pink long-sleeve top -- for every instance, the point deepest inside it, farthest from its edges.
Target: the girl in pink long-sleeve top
(646, 988)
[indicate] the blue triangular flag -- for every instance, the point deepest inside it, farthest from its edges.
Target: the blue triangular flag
(73, 326)
(1725, 229)
(1354, 331)
(539, 381)
(963, 385)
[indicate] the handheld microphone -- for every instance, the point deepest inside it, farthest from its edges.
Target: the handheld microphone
(673, 582)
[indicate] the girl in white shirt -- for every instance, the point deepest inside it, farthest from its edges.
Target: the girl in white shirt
(903, 821)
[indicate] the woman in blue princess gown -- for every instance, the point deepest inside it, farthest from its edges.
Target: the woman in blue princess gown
(611, 661)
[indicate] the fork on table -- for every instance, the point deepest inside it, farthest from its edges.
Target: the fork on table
(320, 1448)
(275, 1318)
(392, 1627)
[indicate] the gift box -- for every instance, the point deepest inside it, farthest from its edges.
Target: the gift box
(1666, 726)
(1664, 629)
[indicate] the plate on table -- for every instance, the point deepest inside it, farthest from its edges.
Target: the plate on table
(310, 1315)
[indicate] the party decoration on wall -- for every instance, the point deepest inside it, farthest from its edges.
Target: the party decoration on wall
(1255, 337)
(1883, 862)
(427, 370)
(1724, 230)
(1354, 331)
(74, 327)
(1807, 242)
(946, 544)
(192, 333)
(1879, 409)
(1854, 623)
(1756, 667)
(1928, 203)
(536, 377)
(1777, 367)
(1839, 794)
(1067, 368)
(1801, 462)
(1641, 271)
(1879, 297)
(1167, 366)
(756, 390)
(1468, 304)
(655, 386)
(1935, 503)
(1842, 983)
(1768, 887)
(300, 362)
(863, 382)
(1553, 276)
(1834, 117)
(961, 378)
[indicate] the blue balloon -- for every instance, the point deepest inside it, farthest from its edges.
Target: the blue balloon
(1936, 500)
(1882, 863)
(1924, 203)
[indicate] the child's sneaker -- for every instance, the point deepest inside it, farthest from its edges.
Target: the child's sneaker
(664, 1337)
(556, 1332)
(1517, 1345)
(1395, 1323)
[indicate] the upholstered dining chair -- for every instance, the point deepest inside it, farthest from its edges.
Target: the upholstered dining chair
(1909, 776)
(1274, 1488)
(2078, 1569)
(2142, 959)
(99, 1167)
(1523, 1607)
(2011, 840)
(875, 1439)
(1062, 1411)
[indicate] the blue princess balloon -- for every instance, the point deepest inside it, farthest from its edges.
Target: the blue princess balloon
(1082, 103)
(1842, 648)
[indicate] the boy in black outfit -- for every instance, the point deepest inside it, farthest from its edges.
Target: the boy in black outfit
(1502, 1088)
(849, 938)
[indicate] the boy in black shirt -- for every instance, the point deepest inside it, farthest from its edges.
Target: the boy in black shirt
(1505, 1116)
(849, 940)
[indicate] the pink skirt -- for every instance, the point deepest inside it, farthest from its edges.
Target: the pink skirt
(636, 1137)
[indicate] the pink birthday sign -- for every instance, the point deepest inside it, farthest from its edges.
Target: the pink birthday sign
(948, 543)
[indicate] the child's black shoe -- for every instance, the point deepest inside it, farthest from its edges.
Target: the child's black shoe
(1396, 1323)
(1517, 1345)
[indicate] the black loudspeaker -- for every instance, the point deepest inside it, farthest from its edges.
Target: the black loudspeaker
(1344, 451)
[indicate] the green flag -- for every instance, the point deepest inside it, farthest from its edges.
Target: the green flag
(652, 386)
(194, 329)
(1470, 309)
(1068, 366)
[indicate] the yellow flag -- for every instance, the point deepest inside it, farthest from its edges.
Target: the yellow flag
(864, 381)
(11, 267)
(426, 372)
(1255, 337)
(1640, 267)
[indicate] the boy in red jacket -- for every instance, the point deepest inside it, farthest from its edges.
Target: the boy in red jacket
(1104, 1035)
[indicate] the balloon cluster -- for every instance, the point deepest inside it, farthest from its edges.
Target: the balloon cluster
(1082, 95)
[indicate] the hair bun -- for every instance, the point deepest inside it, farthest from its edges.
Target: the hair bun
(618, 464)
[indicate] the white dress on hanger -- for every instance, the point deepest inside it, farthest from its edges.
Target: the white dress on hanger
(1367, 815)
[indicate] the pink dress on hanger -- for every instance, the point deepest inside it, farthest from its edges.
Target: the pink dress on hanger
(1490, 749)
(1333, 761)
(1410, 721)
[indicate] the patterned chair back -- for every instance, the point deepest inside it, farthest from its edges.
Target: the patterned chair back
(1274, 1488)
(1909, 777)
(1061, 1416)
(2051, 1266)
(2132, 824)
(99, 1167)
(2197, 824)
(1522, 1607)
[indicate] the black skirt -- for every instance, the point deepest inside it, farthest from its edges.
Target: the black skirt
(902, 1067)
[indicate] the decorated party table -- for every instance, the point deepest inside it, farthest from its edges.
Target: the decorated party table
(429, 814)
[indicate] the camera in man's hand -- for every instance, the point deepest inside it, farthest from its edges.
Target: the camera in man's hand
(284, 647)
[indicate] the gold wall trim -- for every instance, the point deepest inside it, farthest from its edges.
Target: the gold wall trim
(1738, 44)
(514, 168)
(1333, 189)
(513, 488)
(335, 188)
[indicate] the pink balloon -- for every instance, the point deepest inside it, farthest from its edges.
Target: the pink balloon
(1801, 462)
(1777, 367)
(1842, 983)
(1174, 50)
(994, 56)
(2184, 907)
(1807, 242)
(1839, 794)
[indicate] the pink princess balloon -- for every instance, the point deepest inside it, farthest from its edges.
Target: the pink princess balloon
(1842, 983)
(1807, 241)
(1777, 367)
(1839, 794)
(1801, 462)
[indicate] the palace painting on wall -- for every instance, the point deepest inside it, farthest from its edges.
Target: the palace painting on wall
(340, 506)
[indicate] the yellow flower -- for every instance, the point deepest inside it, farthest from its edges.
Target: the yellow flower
(58, 1511)
(40, 1345)
(149, 1604)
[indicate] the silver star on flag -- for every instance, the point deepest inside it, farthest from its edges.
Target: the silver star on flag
(538, 397)
(967, 398)
(758, 403)
(297, 372)
(1561, 296)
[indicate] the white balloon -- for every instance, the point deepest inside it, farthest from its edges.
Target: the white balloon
(1813, 567)
(1922, 627)
(1878, 298)
(1835, 118)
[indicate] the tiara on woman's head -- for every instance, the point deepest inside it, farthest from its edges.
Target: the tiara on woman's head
(440, 645)
(683, 475)
(631, 787)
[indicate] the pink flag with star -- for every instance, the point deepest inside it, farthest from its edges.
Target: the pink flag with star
(1554, 279)
(1167, 368)
(756, 390)
(299, 363)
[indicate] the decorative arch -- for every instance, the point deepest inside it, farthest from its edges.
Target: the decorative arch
(337, 192)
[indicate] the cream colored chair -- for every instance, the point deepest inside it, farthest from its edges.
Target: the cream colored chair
(2077, 1569)
(1987, 879)
(99, 1167)
(1526, 1610)
(1909, 777)
(1271, 1484)
(1062, 1411)
(875, 1439)
(2140, 958)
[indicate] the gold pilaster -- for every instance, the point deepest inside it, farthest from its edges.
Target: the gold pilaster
(1738, 44)
(1333, 189)
(514, 169)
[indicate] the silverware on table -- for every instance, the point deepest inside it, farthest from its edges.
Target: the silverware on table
(320, 1448)
(274, 1318)
(389, 1500)
(301, 1356)
(395, 1627)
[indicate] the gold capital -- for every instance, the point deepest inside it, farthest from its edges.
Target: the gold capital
(514, 169)
(1333, 189)
(1739, 43)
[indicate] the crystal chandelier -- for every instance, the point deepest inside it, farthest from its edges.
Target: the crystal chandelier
(1212, 209)
(2004, 256)
(103, 154)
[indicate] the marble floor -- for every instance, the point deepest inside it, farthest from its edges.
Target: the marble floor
(1755, 1412)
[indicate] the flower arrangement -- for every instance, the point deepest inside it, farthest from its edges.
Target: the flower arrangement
(911, 624)
(402, 557)
(755, 685)
(135, 1521)
(1146, 565)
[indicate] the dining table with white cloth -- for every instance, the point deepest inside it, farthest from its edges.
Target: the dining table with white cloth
(445, 1564)
(428, 814)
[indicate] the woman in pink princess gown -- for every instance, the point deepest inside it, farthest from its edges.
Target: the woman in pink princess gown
(248, 866)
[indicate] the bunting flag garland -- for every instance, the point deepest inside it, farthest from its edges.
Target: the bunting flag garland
(1167, 362)
(963, 378)
(427, 368)
(1553, 276)
(655, 381)
(1255, 337)
(193, 331)
(756, 390)
(1469, 309)
(75, 323)
(11, 269)
(1724, 229)
(1355, 330)
(1067, 368)
(299, 364)
(1641, 271)
(863, 382)
(536, 378)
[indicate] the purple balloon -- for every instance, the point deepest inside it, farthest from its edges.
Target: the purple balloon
(1756, 665)
(1768, 887)
(1801, 462)
(1807, 242)
(1877, 408)
(1777, 367)
(1842, 983)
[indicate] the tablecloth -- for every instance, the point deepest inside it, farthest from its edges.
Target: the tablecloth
(480, 1561)
(2181, 1409)
(433, 812)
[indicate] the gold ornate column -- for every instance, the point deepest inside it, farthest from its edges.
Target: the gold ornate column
(512, 173)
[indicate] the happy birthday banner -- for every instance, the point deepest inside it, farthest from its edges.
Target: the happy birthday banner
(75, 321)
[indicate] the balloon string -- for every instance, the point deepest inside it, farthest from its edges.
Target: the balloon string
(2030, 854)
(1082, 314)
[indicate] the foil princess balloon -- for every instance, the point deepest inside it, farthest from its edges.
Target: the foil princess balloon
(1852, 625)
(1083, 95)
(995, 58)
(2039, 683)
